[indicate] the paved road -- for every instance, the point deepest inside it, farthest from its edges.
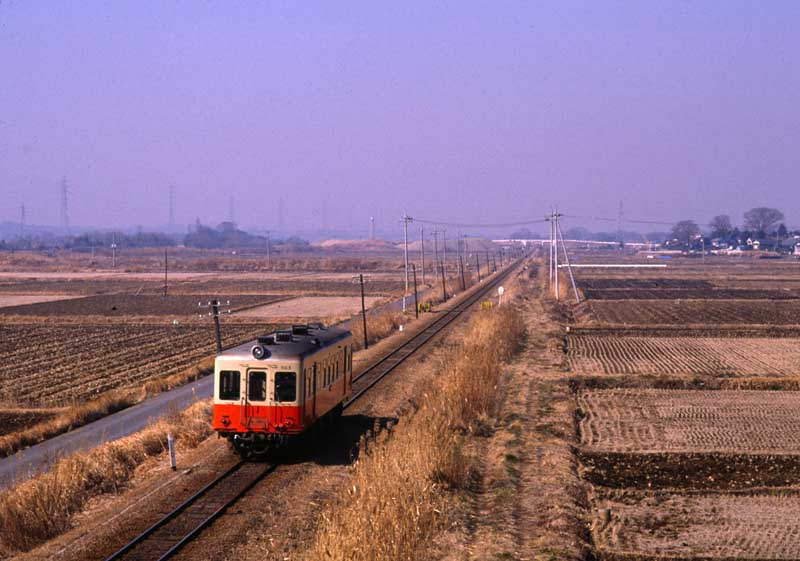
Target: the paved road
(39, 457)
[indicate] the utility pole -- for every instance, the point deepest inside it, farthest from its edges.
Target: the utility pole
(435, 234)
(363, 311)
(114, 250)
(416, 301)
(555, 252)
(422, 250)
(444, 284)
(166, 268)
(214, 305)
(478, 266)
(21, 219)
(269, 251)
(372, 228)
(444, 247)
(465, 248)
(566, 260)
(461, 266)
(406, 220)
(550, 245)
(64, 205)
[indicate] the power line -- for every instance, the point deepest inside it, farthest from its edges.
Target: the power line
(467, 225)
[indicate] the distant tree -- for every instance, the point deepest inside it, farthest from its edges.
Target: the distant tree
(578, 233)
(521, 234)
(762, 220)
(685, 230)
(783, 233)
(721, 226)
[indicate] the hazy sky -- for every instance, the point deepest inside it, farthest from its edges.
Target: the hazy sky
(462, 111)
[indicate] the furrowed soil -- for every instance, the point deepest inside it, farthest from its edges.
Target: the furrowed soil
(679, 459)
(695, 312)
(685, 356)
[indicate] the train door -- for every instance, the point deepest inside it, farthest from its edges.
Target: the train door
(255, 398)
(314, 392)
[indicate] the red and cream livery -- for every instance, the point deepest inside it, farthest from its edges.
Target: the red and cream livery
(279, 386)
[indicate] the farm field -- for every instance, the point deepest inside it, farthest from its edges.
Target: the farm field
(685, 409)
(126, 305)
(689, 294)
(12, 300)
(687, 355)
(721, 421)
(754, 525)
(54, 364)
(695, 312)
(310, 307)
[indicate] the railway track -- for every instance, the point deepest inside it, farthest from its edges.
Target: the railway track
(396, 357)
(180, 526)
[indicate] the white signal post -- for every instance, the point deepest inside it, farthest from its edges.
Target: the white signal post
(500, 291)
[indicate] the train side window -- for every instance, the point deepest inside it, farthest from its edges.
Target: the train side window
(229, 381)
(257, 386)
(285, 386)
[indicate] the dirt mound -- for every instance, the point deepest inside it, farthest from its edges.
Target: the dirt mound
(357, 245)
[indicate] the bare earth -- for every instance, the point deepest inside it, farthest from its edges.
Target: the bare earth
(7, 300)
(652, 420)
(689, 526)
(714, 356)
(310, 307)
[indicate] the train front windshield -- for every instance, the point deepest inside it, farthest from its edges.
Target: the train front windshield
(285, 386)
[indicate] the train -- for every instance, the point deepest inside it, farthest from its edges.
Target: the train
(281, 387)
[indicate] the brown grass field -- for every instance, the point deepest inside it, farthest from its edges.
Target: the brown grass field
(60, 364)
(754, 525)
(695, 312)
(686, 356)
(691, 473)
(654, 420)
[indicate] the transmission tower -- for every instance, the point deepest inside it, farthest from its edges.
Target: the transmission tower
(281, 212)
(64, 218)
(171, 208)
(231, 210)
(620, 226)
(21, 219)
(371, 227)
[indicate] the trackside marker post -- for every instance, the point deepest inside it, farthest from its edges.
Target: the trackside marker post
(171, 445)
(500, 291)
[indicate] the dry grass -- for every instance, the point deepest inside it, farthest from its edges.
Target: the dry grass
(42, 507)
(399, 486)
(82, 413)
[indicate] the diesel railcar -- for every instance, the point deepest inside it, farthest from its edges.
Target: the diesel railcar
(281, 386)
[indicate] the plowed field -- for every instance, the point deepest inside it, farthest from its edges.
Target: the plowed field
(689, 294)
(651, 420)
(51, 364)
(126, 305)
(635, 526)
(617, 283)
(713, 356)
(682, 312)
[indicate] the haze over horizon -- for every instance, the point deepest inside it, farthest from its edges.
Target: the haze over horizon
(456, 111)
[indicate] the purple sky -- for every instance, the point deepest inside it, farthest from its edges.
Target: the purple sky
(460, 111)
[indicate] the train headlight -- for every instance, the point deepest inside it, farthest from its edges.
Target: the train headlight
(259, 352)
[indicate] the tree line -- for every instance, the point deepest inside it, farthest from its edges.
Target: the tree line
(758, 223)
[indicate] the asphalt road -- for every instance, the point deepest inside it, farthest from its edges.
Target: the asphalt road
(39, 457)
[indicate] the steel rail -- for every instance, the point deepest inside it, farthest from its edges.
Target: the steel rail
(390, 361)
(397, 356)
(129, 549)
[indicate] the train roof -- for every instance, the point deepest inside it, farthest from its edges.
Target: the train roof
(297, 342)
